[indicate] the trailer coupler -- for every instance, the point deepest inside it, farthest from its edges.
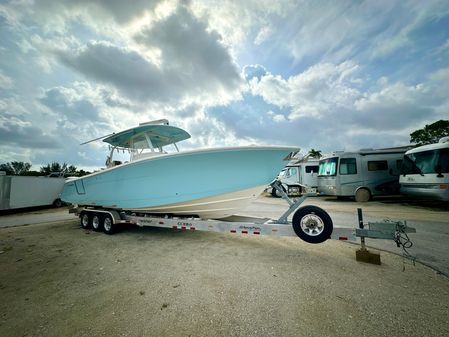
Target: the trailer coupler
(387, 230)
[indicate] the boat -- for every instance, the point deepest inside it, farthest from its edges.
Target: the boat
(210, 183)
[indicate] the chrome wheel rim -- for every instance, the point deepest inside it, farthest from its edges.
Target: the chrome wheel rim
(107, 224)
(95, 222)
(312, 225)
(85, 220)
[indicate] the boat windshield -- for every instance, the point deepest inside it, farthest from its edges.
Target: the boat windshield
(328, 167)
(425, 162)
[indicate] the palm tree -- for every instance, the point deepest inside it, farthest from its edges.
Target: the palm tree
(315, 153)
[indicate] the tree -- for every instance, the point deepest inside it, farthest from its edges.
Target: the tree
(56, 167)
(81, 173)
(315, 153)
(15, 168)
(430, 133)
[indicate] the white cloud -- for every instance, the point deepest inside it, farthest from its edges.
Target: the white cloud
(195, 54)
(236, 20)
(5, 81)
(263, 35)
(316, 92)
(17, 131)
(276, 117)
(195, 67)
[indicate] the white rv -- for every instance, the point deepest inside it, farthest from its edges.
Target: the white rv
(425, 171)
(22, 191)
(298, 176)
(361, 174)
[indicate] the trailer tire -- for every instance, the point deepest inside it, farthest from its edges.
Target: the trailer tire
(312, 224)
(362, 195)
(85, 220)
(97, 222)
(109, 227)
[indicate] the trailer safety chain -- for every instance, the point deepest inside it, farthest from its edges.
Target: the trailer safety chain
(403, 241)
(390, 230)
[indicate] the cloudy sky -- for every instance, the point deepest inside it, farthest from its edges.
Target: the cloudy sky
(329, 75)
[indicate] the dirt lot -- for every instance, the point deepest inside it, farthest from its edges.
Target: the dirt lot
(59, 280)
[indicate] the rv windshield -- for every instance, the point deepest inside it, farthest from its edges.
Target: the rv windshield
(328, 167)
(426, 162)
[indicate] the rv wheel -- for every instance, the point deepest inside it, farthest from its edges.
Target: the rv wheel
(109, 227)
(362, 195)
(85, 220)
(96, 223)
(312, 224)
(57, 203)
(275, 193)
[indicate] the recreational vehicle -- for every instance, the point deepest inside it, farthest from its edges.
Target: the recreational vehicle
(362, 174)
(425, 171)
(298, 176)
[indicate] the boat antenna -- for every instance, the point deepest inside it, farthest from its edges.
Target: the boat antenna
(93, 140)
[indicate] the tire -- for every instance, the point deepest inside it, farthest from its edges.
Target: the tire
(109, 227)
(312, 224)
(275, 193)
(362, 195)
(85, 220)
(57, 203)
(97, 222)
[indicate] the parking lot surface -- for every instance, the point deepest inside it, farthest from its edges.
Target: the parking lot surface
(60, 280)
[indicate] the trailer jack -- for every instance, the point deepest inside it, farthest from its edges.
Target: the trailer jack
(387, 230)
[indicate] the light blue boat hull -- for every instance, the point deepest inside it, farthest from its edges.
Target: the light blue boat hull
(180, 178)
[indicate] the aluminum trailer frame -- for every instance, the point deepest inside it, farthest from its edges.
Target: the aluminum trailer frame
(310, 223)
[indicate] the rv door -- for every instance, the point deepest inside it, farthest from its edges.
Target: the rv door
(349, 181)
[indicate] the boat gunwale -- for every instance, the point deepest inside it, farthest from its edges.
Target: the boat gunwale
(188, 152)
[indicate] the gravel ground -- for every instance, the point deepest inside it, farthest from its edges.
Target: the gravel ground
(59, 280)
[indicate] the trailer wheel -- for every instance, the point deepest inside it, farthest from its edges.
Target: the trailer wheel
(312, 224)
(109, 227)
(362, 195)
(85, 220)
(96, 223)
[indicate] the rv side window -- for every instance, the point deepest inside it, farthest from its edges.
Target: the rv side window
(310, 169)
(348, 166)
(378, 165)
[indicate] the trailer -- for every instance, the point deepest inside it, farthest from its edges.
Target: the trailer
(310, 223)
(23, 191)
